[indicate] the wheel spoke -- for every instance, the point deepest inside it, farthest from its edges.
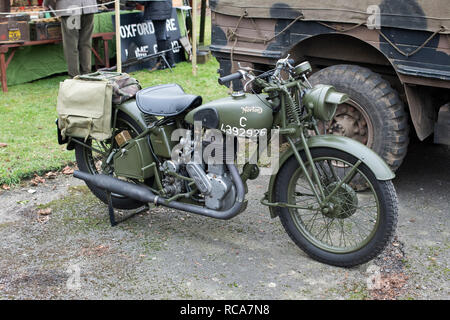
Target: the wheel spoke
(96, 153)
(353, 219)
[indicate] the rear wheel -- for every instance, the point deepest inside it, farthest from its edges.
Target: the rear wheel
(354, 226)
(94, 162)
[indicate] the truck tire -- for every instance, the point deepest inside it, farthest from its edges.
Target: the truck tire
(374, 115)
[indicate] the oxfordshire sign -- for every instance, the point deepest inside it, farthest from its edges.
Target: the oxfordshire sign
(137, 37)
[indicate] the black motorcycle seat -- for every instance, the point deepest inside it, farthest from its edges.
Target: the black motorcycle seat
(165, 100)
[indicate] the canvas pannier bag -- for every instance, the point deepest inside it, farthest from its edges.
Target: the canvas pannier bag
(84, 109)
(85, 103)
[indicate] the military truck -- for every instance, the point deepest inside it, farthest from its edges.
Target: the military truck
(392, 57)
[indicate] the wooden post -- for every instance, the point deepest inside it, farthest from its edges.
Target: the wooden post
(3, 68)
(118, 44)
(202, 23)
(194, 37)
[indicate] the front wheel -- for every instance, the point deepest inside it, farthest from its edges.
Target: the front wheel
(353, 226)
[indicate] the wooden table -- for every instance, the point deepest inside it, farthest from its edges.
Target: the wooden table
(5, 47)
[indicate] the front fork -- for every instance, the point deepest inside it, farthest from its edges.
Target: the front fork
(323, 198)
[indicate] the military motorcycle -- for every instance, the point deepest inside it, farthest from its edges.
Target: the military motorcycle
(312, 191)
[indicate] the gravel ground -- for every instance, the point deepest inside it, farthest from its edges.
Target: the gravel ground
(73, 253)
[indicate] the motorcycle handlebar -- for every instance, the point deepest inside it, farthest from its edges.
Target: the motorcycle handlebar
(230, 77)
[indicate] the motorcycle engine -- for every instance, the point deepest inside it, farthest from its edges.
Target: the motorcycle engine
(215, 184)
(212, 179)
(172, 185)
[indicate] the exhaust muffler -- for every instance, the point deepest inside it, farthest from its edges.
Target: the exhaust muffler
(145, 195)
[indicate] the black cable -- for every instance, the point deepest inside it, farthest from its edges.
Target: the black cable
(261, 76)
(155, 124)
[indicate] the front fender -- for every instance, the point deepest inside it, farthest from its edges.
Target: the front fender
(372, 160)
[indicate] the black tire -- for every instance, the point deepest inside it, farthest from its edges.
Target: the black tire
(380, 102)
(83, 156)
(382, 233)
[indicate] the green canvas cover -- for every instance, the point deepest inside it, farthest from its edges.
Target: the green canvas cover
(124, 86)
(36, 62)
(425, 15)
(84, 109)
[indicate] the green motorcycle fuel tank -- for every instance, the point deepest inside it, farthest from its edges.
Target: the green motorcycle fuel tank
(242, 115)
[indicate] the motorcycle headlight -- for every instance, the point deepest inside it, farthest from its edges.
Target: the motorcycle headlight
(323, 101)
(303, 68)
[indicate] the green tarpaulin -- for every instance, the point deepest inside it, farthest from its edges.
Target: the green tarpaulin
(35, 62)
(429, 15)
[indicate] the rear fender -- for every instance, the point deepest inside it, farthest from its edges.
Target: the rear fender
(130, 108)
(372, 160)
(69, 141)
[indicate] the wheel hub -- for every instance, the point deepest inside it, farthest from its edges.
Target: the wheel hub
(342, 204)
(352, 121)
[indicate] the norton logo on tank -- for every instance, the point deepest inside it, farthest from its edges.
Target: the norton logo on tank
(138, 38)
(258, 110)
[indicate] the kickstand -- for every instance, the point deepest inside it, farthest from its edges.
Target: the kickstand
(163, 56)
(112, 216)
